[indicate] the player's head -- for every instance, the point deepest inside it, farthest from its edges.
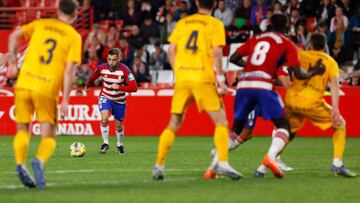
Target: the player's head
(113, 57)
(318, 41)
(68, 9)
(205, 4)
(278, 23)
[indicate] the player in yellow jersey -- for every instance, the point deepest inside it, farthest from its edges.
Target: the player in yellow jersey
(304, 100)
(195, 49)
(53, 52)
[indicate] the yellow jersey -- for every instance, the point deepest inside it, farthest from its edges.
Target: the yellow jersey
(313, 88)
(195, 37)
(52, 44)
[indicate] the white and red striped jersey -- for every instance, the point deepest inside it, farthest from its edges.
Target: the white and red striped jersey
(121, 76)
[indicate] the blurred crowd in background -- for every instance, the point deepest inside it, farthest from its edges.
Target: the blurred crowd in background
(140, 28)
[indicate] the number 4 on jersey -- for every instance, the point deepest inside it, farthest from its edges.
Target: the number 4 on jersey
(192, 42)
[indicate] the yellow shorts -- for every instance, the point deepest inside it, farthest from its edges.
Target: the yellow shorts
(204, 94)
(319, 114)
(27, 102)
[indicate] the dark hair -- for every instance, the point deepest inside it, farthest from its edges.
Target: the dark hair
(278, 22)
(207, 4)
(318, 41)
(68, 6)
(114, 51)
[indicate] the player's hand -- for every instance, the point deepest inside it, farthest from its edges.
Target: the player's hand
(87, 90)
(63, 109)
(335, 117)
(222, 88)
(319, 67)
(115, 86)
(12, 71)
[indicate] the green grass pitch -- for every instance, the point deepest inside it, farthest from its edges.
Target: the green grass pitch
(114, 178)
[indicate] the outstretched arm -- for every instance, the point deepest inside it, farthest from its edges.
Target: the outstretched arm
(300, 74)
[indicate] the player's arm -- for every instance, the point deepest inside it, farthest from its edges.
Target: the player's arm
(285, 81)
(172, 54)
(237, 59)
(13, 42)
(300, 74)
(334, 88)
(95, 75)
(131, 84)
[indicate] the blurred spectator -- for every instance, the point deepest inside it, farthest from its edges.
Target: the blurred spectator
(112, 43)
(167, 8)
(131, 15)
(134, 39)
(167, 28)
(293, 5)
(234, 5)
(264, 25)
(224, 14)
(309, 8)
(278, 8)
(338, 19)
(140, 71)
(348, 9)
(326, 12)
(242, 15)
(303, 36)
(149, 30)
(83, 73)
(96, 47)
(113, 33)
(158, 59)
(143, 54)
(96, 32)
(126, 52)
(91, 59)
(258, 12)
(294, 17)
(181, 8)
(354, 32)
(183, 15)
(338, 38)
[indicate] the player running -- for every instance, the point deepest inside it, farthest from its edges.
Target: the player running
(117, 79)
(53, 52)
(266, 53)
(313, 106)
(195, 49)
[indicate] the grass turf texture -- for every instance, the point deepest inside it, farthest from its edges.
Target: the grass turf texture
(114, 178)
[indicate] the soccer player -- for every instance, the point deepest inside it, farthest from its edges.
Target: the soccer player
(117, 79)
(313, 106)
(266, 53)
(195, 50)
(53, 52)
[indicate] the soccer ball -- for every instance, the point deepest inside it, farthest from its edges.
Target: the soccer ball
(77, 149)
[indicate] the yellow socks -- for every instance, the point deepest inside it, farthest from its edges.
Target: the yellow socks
(46, 148)
(21, 144)
(221, 140)
(339, 142)
(166, 141)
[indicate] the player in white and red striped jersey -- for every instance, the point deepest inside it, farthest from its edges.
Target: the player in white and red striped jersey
(117, 80)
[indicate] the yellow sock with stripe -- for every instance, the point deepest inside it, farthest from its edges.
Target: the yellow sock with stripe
(221, 139)
(20, 145)
(338, 139)
(46, 148)
(167, 138)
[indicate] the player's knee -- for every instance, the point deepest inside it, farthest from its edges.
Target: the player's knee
(104, 121)
(119, 125)
(282, 123)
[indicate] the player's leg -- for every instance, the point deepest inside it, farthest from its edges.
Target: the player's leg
(46, 110)
(272, 108)
(321, 117)
(105, 107)
(181, 99)
(24, 111)
(207, 99)
(118, 111)
(166, 141)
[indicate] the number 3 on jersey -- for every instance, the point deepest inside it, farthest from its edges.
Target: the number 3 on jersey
(259, 55)
(192, 41)
(50, 51)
